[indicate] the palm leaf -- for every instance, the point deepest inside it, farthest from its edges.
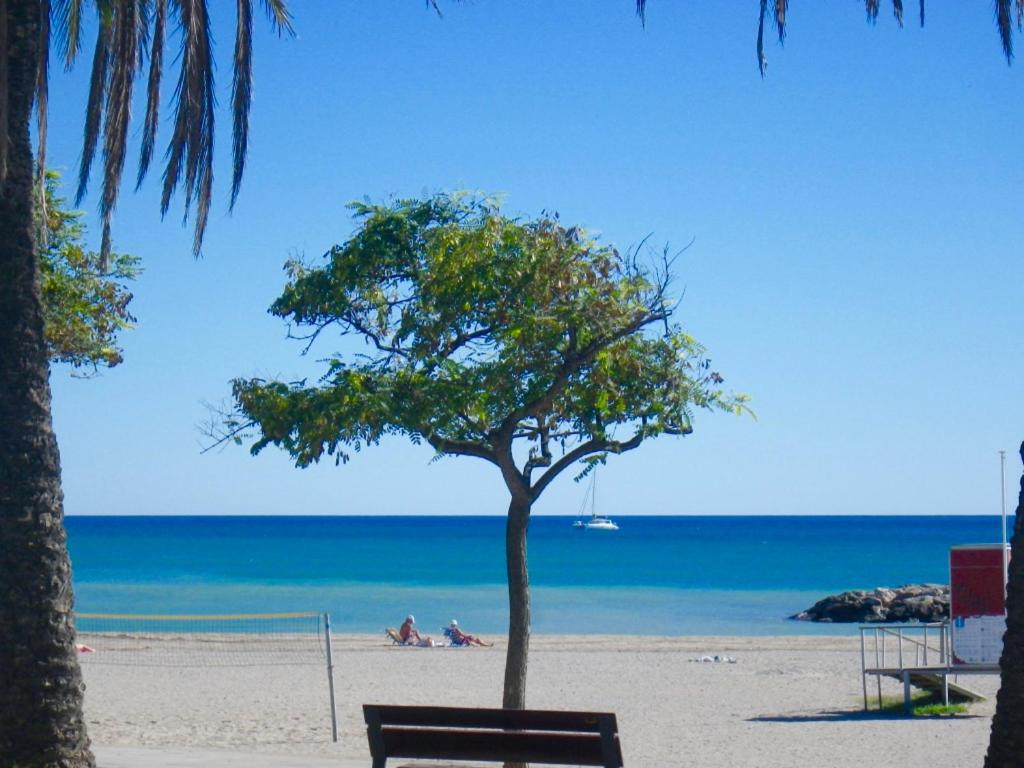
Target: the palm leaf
(156, 63)
(871, 6)
(190, 151)
(67, 17)
(281, 18)
(94, 105)
(1005, 27)
(641, 11)
(897, 11)
(781, 6)
(124, 65)
(762, 60)
(241, 94)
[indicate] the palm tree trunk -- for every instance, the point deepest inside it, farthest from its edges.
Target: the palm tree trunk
(518, 604)
(41, 721)
(1006, 745)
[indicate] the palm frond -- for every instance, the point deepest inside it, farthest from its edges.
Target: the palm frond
(94, 105)
(871, 6)
(205, 196)
(1020, 14)
(641, 11)
(897, 11)
(241, 95)
(124, 65)
(921, 7)
(281, 18)
(156, 65)
(190, 152)
(781, 6)
(762, 60)
(67, 16)
(1005, 28)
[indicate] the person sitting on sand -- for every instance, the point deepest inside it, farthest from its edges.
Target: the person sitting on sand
(458, 637)
(409, 634)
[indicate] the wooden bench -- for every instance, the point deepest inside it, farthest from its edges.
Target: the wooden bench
(492, 735)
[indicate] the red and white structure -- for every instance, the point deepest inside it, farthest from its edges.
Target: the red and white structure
(977, 610)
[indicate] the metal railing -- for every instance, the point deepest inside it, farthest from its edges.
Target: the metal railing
(902, 646)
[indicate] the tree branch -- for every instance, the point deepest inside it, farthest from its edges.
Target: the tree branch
(544, 458)
(597, 445)
(461, 340)
(572, 363)
(460, 447)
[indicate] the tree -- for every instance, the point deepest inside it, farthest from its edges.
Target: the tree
(85, 305)
(41, 721)
(522, 343)
(1006, 747)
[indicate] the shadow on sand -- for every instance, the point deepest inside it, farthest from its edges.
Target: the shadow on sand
(851, 716)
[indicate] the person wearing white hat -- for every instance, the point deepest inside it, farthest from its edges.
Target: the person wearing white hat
(409, 634)
(458, 637)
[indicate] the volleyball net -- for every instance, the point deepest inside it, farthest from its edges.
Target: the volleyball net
(224, 640)
(197, 641)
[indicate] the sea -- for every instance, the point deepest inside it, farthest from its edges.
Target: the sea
(654, 576)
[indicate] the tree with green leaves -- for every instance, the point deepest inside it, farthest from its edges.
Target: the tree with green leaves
(523, 343)
(84, 302)
(41, 722)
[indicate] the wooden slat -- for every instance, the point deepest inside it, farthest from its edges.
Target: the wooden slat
(377, 751)
(497, 746)
(525, 719)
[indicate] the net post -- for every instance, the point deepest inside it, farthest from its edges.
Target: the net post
(330, 676)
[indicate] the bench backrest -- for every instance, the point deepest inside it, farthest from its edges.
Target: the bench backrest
(497, 735)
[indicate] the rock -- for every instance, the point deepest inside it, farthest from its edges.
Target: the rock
(911, 602)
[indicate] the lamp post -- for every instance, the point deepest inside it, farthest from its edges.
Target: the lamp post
(1002, 494)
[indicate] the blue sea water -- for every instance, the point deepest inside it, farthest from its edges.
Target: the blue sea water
(656, 575)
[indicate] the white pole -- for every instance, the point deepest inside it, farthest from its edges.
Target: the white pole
(1002, 494)
(330, 677)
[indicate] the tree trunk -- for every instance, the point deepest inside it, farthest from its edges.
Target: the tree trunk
(1006, 745)
(518, 604)
(41, 721)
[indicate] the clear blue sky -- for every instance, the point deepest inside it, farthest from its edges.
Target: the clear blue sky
(856, 267)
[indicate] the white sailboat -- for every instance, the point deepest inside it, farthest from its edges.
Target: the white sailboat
(595, 522)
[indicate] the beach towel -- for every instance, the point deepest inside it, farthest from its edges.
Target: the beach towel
(716, 659)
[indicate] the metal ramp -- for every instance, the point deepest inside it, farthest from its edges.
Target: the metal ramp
(934, 679)
(922, 660)
(939, 683)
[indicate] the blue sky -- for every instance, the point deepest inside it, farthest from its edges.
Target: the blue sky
(855, 268)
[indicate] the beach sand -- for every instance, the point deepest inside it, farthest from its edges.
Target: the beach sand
(787, 701)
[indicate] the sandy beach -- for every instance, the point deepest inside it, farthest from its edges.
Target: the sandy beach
(787, 701)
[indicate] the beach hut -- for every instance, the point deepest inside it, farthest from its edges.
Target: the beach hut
(977, 602)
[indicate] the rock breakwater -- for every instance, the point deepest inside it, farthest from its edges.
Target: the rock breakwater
(911, 602)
